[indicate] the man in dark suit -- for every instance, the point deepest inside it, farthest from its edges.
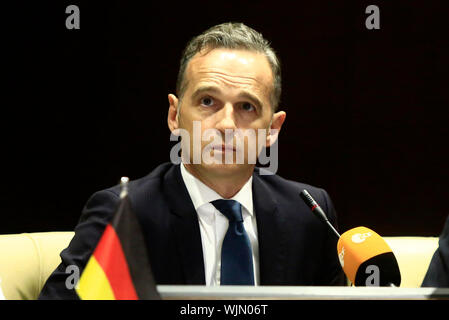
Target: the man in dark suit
(219, 222)
(438, 273)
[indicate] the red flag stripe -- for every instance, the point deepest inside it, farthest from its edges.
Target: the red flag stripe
(109, 255)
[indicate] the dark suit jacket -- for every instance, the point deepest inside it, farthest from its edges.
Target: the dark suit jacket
(438, 273)
(295, 247)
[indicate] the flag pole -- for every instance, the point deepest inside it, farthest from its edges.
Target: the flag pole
(124, 187)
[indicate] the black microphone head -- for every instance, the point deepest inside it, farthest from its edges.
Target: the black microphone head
(313, 205)
(381, 270)
(305, 195)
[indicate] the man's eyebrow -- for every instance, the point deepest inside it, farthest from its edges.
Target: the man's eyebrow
(244, 94)
(204, 89)
(252, 98)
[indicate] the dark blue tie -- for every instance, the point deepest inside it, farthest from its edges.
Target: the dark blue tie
(236, 253)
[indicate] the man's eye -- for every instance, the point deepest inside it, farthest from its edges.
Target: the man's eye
(207, 101)
(248, 107)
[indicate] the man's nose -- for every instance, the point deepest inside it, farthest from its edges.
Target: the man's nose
(226, 118)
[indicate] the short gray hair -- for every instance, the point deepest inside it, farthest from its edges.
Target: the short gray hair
(231, 36)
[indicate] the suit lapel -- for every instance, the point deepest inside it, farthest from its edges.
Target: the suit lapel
(272, 242)
(185, 227)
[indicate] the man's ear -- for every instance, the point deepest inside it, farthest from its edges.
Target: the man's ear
(276, 124)
(172, 118)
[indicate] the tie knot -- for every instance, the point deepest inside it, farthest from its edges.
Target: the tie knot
(231, 209)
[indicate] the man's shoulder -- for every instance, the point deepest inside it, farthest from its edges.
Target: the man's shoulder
(286, 193)
(281, 185)
(153, 178)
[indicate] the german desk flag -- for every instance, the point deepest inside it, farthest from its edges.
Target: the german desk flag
(119, 267)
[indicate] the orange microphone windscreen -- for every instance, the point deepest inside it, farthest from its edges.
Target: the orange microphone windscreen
(362, 253)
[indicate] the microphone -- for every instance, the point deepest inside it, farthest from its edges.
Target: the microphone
(316, 209)
(365, 257)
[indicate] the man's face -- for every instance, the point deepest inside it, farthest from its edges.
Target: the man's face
(226, 90)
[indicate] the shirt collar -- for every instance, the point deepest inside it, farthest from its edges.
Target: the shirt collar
(202, 194)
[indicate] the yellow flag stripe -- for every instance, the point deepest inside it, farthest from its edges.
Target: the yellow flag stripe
(93, 284)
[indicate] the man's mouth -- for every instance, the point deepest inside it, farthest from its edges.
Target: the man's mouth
(224, 148)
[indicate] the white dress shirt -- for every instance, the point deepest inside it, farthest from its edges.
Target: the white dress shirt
(214, 225)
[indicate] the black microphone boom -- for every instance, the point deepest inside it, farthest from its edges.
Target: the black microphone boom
(316, 209)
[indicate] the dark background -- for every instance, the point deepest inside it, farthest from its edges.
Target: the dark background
(367, 110)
